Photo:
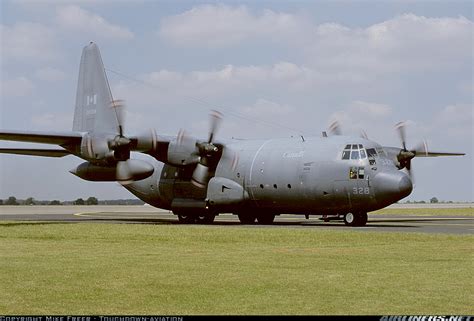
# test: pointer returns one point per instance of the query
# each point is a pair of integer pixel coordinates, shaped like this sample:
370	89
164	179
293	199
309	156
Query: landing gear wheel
350	219
205	218
246	218
362	219
265	219
355	219
186	219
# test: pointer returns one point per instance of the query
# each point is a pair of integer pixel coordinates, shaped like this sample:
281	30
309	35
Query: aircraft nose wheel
355	219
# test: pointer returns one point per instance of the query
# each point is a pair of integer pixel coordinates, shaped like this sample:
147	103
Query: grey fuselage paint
288	175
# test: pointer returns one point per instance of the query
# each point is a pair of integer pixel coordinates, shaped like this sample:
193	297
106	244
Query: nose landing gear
355	219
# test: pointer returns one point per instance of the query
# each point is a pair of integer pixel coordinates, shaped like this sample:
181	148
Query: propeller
335	128
115	151
208	152
405	156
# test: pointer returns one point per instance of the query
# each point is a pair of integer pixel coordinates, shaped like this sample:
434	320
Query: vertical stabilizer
93	112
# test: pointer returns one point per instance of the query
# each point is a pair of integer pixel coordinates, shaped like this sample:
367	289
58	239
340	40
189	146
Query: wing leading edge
56	138
36	152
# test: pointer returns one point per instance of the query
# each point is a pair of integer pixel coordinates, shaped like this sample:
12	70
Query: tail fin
93	112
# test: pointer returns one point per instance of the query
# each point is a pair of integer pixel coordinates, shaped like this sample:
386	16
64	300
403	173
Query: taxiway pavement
150	215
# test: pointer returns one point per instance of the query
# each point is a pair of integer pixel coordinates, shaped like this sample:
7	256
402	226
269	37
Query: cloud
223	25
47	121
50	74
403	43
455	121
17	87
28	42
77	19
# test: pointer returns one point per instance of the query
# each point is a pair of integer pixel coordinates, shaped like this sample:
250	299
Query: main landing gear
262	218
207	218
355	219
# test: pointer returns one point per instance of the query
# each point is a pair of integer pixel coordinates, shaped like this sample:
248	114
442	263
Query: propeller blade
123	173
400	127
421	150
363	134
145	142
119	108
335	128
216	119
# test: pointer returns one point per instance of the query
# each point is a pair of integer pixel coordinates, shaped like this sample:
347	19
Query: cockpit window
355	154
371	152
354	151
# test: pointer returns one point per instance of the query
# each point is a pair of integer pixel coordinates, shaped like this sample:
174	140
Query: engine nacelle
96	149
137	170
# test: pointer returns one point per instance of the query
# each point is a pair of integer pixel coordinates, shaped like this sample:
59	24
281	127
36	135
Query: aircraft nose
392	186
405	186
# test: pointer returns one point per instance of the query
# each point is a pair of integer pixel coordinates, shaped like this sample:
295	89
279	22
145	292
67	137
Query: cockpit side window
371	153
346	154
362	154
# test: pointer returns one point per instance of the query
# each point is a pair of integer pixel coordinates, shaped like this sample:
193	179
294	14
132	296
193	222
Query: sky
273	68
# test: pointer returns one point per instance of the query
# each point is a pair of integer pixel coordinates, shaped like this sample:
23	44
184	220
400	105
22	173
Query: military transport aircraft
331	175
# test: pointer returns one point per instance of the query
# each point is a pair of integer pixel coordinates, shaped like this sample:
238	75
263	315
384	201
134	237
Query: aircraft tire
265	219
355	219
362	219
350	219
186	219
205	219
246	218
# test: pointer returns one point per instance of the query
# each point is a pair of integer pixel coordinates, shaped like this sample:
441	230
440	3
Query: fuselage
314	175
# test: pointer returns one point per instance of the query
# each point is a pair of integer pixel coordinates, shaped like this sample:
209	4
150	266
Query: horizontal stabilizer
56	138
35	152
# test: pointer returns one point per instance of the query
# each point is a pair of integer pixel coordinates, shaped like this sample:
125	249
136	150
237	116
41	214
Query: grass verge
168	269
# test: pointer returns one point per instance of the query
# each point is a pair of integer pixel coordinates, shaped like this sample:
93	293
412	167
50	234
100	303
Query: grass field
56	268
454	211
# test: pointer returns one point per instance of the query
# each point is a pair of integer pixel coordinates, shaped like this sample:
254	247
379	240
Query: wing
35	152
56	138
